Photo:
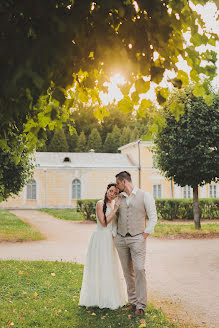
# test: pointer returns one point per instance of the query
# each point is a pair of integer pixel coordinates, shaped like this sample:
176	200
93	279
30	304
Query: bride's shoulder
99	203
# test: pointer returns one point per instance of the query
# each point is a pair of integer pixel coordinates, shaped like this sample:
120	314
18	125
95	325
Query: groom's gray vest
131	219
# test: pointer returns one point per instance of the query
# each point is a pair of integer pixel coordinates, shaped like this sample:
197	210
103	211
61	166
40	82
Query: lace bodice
109	225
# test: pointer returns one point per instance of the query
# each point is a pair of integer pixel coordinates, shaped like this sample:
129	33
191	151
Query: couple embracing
121	230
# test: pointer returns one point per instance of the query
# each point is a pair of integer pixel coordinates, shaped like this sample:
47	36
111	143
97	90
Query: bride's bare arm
100	215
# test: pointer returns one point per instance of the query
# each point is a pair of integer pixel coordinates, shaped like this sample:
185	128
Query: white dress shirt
150	208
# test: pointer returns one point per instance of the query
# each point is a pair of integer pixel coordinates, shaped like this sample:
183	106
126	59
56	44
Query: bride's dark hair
106	199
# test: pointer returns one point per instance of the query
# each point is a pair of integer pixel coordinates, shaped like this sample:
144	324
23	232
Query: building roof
142	142
83	160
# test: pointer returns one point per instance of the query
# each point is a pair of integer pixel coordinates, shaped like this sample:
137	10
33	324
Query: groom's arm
115	225
150	207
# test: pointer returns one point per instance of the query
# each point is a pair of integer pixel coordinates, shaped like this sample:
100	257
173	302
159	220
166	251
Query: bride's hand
117	203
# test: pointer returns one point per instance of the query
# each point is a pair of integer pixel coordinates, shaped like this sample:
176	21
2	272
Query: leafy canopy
15	171
187	148
49	46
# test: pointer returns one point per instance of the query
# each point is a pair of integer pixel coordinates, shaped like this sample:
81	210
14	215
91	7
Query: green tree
134	134
112	141
84	118
82	143
115	117
15	170
95	141
54	44
50	46
58	142
108	146
71	136
125	136
187	147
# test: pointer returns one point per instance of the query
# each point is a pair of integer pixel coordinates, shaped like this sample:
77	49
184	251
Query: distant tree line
114	131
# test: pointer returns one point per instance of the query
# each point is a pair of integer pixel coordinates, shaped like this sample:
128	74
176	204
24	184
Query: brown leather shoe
139	312
130	307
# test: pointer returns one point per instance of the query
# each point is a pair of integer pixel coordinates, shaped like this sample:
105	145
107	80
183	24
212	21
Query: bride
102	284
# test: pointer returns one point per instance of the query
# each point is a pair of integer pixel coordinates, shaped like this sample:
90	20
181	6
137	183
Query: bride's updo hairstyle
106	199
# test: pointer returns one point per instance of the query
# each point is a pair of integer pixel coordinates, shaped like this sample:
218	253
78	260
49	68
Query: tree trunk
196	210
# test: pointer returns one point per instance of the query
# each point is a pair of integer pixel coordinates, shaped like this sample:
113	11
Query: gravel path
181	273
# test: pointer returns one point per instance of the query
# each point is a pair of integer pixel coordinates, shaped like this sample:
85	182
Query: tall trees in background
115	130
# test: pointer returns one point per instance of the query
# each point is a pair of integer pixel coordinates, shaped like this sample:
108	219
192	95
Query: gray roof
91	160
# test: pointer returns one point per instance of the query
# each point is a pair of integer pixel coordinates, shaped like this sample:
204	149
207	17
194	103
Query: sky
209	14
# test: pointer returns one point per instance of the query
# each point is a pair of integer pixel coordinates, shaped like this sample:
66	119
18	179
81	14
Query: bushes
168	209
173	209
87	207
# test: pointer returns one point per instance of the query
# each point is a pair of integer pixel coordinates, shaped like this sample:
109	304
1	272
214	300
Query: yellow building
62	178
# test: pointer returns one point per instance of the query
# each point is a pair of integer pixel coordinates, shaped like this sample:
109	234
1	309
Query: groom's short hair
124	175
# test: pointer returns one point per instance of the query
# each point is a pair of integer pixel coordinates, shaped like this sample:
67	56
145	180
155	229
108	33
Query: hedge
167	209
182	209
87	207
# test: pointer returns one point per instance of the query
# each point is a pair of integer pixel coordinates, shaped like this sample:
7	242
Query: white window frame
157	190
32	190
187	192
213	190
76	189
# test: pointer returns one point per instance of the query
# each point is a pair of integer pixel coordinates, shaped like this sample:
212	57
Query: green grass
165	229
64	214
13	228
46	294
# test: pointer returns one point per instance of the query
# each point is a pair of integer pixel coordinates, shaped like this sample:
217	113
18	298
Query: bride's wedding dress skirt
103	284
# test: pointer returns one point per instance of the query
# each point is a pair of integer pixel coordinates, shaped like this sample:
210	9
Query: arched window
31	190
76	189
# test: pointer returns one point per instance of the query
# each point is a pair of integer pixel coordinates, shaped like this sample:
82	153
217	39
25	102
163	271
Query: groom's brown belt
129	235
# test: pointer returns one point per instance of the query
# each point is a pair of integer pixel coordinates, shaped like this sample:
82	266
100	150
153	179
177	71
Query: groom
131	237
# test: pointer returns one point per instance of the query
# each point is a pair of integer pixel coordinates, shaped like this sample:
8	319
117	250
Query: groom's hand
145	235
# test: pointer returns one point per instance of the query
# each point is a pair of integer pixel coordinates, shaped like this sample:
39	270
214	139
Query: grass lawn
65	214
46	294
14	229
183	229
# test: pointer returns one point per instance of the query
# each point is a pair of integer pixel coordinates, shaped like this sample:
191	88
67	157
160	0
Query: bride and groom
121	230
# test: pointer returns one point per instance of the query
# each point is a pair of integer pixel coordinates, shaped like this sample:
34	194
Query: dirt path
181	274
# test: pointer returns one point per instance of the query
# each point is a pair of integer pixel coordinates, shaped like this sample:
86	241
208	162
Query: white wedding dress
103	285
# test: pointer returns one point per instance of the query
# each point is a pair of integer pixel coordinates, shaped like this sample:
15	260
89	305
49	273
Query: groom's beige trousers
132	252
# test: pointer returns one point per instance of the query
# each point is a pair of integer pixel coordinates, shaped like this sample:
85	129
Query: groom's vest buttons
131	218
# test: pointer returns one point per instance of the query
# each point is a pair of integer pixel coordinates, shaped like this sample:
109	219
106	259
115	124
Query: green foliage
58	142
134	134
71	136
48	48
94	141
181	209
125	136
167	209
82	143
110	129
16	168
112	141
87	208
108	146
187	147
